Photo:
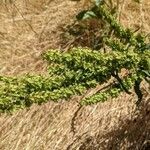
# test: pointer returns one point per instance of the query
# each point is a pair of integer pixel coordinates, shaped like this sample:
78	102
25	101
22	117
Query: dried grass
27	29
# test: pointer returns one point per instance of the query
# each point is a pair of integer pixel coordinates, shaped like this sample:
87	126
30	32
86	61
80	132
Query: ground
30	27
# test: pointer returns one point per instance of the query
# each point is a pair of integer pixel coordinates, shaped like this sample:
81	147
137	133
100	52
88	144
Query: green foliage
79	69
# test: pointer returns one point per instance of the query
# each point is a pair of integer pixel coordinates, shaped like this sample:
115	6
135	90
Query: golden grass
27	28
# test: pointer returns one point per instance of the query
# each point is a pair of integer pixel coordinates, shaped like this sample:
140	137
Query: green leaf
98	2
85	15
81	15
146	72
88	15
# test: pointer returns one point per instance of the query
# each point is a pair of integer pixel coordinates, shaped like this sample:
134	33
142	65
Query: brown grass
27	28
